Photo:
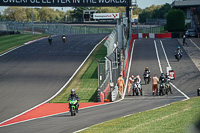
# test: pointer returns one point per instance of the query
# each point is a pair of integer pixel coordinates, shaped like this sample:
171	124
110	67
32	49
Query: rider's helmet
120	74
178	47
138	77
162	75
72	91
147	68
132	77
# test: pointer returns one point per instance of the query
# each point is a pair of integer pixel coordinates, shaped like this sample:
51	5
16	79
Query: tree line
21	14
50	15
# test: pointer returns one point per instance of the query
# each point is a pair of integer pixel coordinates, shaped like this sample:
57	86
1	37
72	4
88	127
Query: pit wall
152	35
105	94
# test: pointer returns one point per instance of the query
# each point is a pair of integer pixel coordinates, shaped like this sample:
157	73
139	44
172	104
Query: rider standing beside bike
71	96
162	78
147	72
131	79
155	81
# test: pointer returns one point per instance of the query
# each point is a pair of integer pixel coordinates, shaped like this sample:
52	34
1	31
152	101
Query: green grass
86	80
9	42
175	118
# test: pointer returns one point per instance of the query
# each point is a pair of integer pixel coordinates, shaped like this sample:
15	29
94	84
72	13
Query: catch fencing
114	64
53	28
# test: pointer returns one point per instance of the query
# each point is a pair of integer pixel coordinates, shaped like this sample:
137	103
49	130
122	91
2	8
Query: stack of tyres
198	92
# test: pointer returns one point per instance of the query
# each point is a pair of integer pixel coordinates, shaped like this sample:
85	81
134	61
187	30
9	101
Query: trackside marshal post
62	3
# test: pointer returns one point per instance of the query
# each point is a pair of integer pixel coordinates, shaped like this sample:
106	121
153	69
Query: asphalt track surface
187	80
34	73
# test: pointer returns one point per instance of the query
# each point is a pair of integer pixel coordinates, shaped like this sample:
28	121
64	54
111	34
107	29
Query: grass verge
9	42
86	80
175	118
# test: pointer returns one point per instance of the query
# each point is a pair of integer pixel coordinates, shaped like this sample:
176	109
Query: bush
176	20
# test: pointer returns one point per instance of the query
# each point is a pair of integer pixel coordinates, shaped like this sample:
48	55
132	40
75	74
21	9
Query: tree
137	11
176	20
29	14
162	11
78	12
47	14
143	16
16	13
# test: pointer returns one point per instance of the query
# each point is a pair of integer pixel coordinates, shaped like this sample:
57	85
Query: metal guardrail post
98	90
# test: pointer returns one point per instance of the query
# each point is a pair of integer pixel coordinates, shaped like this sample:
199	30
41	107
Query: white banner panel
151	35
139	35
105	15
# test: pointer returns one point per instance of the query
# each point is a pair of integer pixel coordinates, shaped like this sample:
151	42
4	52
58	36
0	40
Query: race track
144	54
32	74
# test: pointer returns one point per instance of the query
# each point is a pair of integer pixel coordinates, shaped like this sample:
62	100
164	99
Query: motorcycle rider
162	78
50	39
178	50
155	81
64	36
131	79
121	85
147	71
71	96
168	81
137	80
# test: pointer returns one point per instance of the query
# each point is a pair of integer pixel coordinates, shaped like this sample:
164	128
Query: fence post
98	90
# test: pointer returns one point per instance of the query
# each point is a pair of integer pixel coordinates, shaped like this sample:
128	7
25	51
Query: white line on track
165	54
159	64
59	90
129	68
195	44
168	65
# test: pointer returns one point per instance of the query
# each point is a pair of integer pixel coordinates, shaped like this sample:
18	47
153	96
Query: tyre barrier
198	92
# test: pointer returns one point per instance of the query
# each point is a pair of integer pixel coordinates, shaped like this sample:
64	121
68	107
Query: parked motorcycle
73	108
137	88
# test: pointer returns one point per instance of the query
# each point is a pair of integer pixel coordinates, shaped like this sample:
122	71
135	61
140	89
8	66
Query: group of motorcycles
50	39
164	88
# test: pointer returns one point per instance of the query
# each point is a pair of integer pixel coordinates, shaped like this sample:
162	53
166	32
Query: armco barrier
127	59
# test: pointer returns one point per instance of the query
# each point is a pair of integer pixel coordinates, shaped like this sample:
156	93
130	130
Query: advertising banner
106	16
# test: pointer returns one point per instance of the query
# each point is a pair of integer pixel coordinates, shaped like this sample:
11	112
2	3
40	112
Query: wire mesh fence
49	28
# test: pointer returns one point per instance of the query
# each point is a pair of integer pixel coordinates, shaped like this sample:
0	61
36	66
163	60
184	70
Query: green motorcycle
73	108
